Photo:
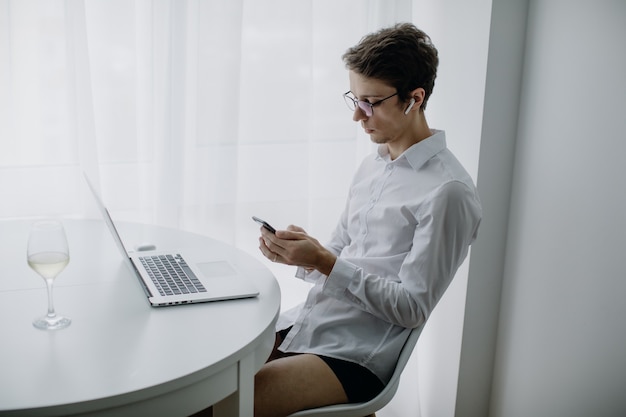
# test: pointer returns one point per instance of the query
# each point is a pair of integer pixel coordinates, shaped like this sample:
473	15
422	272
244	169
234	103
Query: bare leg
288	383
292	383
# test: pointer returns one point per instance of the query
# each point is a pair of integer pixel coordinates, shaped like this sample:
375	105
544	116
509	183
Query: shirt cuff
311	276
340	278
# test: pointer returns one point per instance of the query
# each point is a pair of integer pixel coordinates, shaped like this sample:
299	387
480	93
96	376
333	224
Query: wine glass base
55	323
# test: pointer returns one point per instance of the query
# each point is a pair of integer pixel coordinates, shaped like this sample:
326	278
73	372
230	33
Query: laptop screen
107	219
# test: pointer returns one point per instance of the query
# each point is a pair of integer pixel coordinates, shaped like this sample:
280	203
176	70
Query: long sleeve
446	225
406	228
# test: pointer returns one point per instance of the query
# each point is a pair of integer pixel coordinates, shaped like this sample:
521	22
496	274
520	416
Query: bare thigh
288	384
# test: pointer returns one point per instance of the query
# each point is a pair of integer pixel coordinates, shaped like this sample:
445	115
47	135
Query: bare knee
269	396
295	383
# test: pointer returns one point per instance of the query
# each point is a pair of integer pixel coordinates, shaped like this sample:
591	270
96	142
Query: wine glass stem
51	313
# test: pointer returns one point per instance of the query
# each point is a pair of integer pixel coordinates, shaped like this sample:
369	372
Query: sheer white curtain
197	114
187	113
190	114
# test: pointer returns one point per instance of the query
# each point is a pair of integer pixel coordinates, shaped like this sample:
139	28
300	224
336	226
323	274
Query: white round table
120	356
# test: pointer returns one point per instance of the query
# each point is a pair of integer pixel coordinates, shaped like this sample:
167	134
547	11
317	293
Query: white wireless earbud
411	104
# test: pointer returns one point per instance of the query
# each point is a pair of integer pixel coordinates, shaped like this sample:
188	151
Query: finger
265	232
269	236
295	228
275	243
265	250
288	235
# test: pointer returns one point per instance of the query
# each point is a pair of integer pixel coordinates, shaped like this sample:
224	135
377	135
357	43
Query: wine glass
48	254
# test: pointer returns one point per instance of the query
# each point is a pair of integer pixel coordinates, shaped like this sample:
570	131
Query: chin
378	140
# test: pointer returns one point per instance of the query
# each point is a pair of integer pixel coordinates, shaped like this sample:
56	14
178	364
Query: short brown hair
402	56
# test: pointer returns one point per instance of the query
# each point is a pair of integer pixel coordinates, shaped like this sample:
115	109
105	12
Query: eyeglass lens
363	105
366	107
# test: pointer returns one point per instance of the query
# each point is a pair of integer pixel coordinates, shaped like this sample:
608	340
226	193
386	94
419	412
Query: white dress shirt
404	232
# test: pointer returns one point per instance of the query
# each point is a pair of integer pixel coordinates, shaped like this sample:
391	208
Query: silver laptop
179	277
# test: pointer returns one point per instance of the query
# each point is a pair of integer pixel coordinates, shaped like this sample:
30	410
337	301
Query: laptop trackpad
216	269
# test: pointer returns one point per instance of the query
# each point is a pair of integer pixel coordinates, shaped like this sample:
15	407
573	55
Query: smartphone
264	224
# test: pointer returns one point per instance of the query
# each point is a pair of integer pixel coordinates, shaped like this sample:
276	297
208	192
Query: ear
417	98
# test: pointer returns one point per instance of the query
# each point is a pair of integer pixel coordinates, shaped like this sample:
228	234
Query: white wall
562	336
507	31
561	341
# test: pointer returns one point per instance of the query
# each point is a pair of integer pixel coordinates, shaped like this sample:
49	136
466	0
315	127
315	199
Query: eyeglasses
367	107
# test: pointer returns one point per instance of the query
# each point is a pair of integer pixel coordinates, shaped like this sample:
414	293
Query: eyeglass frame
359	104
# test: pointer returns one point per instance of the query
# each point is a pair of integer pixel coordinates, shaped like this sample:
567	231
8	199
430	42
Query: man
411	214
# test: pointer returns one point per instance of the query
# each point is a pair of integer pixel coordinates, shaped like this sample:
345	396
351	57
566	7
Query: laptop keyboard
171	274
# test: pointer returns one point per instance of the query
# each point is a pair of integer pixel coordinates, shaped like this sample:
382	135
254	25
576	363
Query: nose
359	114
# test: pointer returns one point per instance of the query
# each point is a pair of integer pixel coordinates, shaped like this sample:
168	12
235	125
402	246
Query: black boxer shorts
359	383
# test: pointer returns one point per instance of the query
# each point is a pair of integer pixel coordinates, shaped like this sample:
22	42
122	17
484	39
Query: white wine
48	264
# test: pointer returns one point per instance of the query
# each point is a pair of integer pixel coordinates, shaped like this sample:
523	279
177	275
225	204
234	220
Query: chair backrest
376	403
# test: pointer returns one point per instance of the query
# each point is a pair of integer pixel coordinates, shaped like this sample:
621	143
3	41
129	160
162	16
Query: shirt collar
418	154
